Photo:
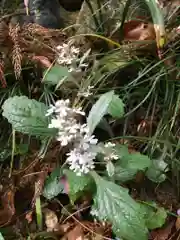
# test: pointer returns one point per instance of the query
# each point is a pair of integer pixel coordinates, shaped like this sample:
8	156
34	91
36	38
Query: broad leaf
27	116
55	74
129	163
154	216
124	174
113	203
116	107
53	186
156	173
136	161
98	110
78	184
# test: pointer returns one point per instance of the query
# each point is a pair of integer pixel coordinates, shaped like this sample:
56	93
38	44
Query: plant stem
13	151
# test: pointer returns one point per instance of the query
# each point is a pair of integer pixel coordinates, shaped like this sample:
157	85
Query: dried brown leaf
138	30
76	233
51	220
8	210
164	233
43	60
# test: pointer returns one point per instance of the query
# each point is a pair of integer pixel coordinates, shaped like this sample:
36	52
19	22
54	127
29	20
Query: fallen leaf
29	217
63	228
138	30
177	224
43	60
51	220
8	210
163	233
76	233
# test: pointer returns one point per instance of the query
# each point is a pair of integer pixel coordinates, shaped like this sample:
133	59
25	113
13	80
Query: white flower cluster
109	152
64	120
86	92
68	55
81	157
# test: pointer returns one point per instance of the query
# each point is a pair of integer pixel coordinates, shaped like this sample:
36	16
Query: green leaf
1	237
53	186
124	174
158	20
155	216
156	171
116	107
55	74
129	163
110	169
98	110
5	153
27	116
21	149
78	184
113	203
136	161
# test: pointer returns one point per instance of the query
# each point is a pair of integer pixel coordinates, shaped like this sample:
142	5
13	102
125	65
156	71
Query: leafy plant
27	116
112	203
156	172
78	185
129	163
107	103
53	186
154	216
55	75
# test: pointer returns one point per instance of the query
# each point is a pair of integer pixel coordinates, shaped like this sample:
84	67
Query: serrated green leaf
55	74
113	203
1	237
27	116
136	161
124	174
155	172
116	107
53	186
98	110
156	219
129	163
154	216
78	184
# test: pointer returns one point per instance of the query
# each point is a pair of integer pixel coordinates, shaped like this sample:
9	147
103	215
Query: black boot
46	13
71	5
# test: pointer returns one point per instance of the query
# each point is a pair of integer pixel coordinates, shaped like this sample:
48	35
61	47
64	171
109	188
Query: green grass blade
158	21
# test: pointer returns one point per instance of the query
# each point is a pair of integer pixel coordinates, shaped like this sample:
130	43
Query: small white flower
86	92
78	111
81	161
81	157
109	152
51	110
68	55
111	156
109	144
